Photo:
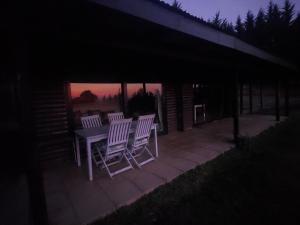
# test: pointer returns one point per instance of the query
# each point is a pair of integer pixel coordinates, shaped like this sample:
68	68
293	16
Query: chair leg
128	161
74	150
145	161
106	167
133	158
111	174
147	149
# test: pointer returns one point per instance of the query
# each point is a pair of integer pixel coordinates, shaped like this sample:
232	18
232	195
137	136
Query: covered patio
113	42
72	199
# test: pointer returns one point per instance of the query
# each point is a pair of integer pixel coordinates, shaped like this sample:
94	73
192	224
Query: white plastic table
95	134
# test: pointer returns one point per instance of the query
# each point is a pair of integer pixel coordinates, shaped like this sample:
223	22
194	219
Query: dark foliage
176	4
249	27
141	103
239	27
276	30
222	24
85	97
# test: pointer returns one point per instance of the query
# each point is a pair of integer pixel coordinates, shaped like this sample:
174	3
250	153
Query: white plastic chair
115	116
91	121
116	147
139	144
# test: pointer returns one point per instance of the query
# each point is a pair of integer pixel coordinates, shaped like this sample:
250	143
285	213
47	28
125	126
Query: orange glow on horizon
101	89
97	89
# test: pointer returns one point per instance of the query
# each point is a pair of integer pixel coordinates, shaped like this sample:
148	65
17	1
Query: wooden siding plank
51	122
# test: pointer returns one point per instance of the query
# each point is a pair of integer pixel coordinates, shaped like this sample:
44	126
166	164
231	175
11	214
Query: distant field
98	105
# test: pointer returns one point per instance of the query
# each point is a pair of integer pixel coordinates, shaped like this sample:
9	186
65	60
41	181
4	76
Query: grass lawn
256	184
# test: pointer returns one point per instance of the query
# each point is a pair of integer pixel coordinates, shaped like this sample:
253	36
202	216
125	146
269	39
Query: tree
239	27
85	97
177	5
260	20
217	20
288	12
104	98
285	37
260	28
226	26
274	26
249	26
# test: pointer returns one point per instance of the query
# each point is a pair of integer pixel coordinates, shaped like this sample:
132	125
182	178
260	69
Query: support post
261	95
250	97
179	106
144	88
277	103
241	97
287	99
236	122
124	97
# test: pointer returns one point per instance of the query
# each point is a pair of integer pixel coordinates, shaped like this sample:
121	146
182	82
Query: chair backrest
115	116
91	121
118	135
143	130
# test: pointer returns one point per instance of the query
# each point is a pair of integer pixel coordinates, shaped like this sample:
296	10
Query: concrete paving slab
162	170
120	190
145	181
89	201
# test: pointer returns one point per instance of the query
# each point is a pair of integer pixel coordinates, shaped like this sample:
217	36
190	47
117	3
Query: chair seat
115	148
137	143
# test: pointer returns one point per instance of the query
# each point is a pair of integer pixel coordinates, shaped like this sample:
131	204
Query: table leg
155	139
89	159
77	151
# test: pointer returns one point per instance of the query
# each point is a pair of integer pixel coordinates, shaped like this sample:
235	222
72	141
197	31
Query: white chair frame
115	116
140	141
116	148
91	121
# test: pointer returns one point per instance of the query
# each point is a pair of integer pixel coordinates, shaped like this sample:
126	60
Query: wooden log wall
171	109
53	137
187	104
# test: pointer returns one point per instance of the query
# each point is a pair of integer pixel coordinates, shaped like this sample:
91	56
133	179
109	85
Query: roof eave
153	12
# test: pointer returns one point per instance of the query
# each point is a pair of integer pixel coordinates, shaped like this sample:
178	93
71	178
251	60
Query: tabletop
95	131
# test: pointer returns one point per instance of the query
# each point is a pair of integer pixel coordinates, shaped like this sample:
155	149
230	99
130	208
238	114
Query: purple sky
229	9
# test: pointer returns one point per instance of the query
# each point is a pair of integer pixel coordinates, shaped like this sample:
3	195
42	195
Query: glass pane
154	91
134	89
154	88
89	99
136	100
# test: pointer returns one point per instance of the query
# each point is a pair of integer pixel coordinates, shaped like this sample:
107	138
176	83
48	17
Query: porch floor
73	200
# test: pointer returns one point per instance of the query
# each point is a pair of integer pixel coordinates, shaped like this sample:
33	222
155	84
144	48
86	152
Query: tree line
276	29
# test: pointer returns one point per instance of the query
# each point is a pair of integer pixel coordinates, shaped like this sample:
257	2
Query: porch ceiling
92	39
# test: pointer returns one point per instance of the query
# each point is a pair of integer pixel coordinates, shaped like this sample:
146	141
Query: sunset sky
97	89
229	9
109	89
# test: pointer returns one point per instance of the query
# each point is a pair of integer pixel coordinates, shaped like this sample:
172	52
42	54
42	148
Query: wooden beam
144	88
287	98
124	99
241	97
235	109
277	100
261	95
250	97
179	107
